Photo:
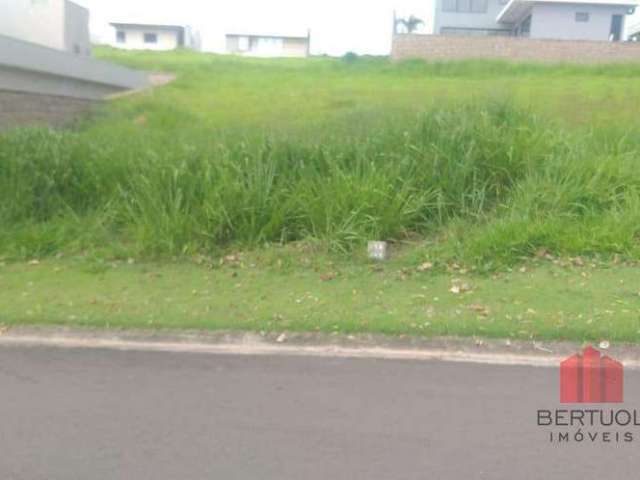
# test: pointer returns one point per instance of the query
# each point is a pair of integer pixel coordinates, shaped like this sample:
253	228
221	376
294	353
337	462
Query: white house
59	24
253	43
146	36
599	20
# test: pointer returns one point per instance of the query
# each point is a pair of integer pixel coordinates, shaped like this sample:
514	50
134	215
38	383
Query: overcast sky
337	26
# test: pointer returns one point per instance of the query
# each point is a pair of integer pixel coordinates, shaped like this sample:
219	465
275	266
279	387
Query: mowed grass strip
542	303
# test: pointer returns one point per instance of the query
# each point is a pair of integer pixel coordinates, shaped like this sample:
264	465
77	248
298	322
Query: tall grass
242	152
497	182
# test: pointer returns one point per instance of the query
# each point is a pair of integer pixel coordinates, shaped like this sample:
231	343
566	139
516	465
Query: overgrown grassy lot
479	166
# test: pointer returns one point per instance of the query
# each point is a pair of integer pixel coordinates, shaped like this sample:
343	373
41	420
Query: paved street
102	414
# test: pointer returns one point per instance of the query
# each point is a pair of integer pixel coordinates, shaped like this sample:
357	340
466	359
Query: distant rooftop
273	30
158	26
516	8
266	35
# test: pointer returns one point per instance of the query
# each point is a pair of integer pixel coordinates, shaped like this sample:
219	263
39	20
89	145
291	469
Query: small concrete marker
377	250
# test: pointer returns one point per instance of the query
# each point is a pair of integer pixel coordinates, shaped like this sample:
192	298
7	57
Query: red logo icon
590	377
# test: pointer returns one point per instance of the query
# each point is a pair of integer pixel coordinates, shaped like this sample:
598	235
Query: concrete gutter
494	352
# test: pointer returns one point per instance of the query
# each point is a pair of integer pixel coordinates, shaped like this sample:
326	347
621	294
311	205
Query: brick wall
436	47
21	109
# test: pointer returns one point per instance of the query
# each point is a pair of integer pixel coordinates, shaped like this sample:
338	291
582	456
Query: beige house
268	45
58	24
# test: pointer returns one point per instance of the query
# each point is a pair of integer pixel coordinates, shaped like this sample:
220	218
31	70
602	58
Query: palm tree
411	24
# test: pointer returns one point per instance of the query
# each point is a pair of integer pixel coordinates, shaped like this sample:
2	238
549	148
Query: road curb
447	349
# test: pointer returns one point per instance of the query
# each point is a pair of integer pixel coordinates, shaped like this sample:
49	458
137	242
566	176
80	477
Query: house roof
156	26
516	9
257	28
264	35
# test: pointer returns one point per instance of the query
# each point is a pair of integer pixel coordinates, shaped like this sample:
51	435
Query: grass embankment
478	164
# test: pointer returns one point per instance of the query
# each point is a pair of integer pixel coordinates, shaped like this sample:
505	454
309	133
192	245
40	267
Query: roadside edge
363	346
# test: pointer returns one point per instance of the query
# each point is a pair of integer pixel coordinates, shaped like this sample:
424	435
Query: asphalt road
101	414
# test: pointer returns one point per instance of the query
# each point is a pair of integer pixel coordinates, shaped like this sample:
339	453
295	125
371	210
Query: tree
410	24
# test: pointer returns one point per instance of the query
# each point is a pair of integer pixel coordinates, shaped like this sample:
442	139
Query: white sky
337	26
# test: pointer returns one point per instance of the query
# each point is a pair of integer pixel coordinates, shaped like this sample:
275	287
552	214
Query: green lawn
258	293
320	96
480	167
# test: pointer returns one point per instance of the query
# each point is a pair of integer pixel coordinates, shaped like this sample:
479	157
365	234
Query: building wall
294	47
469	20
167	39
36	21
40	85
76	31
290	47
232	44
442	48
19	80
633	23
558	21
24	109
26	67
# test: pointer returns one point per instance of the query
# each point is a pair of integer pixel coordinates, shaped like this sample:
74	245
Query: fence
437	47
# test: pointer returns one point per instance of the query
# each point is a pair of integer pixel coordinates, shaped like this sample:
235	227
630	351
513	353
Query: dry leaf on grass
425	267
327	277
458	286
481	310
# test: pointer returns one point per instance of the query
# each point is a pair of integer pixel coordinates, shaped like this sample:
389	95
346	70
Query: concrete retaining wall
53	72
435	47
18	109
40	85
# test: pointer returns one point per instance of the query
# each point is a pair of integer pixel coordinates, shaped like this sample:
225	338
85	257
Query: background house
599	20
149	36
268	45
59	24
337	26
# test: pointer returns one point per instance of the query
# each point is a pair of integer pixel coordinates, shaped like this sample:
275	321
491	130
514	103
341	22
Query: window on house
121	37
474	32
449	5
465	6
582	16
150	38
479	6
